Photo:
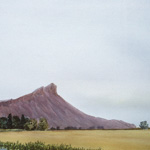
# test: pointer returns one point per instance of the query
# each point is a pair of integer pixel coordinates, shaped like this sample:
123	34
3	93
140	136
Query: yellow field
106	139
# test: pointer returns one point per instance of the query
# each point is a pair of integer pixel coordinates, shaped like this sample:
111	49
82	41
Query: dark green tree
15	122
9	121
143	125
3	123
22	122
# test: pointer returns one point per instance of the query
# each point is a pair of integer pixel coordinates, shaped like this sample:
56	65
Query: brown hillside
45	102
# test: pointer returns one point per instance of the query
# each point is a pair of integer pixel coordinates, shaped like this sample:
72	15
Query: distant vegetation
24	123
143	125
37	146
78	128
14	122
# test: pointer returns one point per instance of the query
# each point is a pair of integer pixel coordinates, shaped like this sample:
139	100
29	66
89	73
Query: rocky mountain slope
45	102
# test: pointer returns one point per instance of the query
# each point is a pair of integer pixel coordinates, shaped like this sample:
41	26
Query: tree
100	127
91	128
9	122
52	128
15	122
22	122
143	125
43	124
3	122
31	124
70	128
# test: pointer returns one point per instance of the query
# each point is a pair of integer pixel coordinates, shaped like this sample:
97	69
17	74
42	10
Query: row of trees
78	128
32	124
14	122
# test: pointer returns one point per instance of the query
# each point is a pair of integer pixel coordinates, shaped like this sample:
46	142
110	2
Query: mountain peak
52	88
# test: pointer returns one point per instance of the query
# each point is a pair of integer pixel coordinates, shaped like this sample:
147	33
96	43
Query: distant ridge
45	102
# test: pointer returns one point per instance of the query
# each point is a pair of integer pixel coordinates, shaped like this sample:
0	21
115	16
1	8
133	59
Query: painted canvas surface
74	74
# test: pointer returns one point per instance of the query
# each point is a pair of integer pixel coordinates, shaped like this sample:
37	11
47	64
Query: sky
97	52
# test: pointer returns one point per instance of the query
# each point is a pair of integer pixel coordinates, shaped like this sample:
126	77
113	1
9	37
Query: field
106	139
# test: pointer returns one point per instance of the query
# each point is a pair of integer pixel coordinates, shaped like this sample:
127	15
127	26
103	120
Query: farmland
105	139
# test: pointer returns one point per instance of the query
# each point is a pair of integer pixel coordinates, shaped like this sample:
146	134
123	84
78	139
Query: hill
45	102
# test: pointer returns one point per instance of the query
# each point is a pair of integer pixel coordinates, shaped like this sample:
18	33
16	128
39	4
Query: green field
106	139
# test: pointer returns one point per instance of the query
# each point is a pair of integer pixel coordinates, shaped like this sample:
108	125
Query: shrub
37	146
31	124
52	128
91	128
43	124
71	128
100	127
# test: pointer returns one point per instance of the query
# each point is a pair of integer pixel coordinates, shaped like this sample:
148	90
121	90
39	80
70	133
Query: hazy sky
97	52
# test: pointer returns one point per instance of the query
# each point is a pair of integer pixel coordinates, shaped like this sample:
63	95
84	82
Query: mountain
45	102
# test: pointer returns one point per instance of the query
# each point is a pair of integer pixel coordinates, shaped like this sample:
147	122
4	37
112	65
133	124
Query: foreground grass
106	139
36	146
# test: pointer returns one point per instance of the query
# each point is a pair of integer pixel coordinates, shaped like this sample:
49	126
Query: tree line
14	122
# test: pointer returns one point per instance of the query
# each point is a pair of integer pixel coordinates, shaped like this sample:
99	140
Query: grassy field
106	139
